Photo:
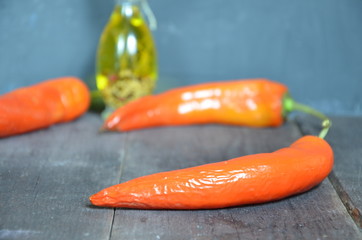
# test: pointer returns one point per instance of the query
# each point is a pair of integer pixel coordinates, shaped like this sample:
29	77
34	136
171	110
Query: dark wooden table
47	176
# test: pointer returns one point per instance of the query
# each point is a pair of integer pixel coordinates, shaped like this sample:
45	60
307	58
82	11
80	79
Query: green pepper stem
291	105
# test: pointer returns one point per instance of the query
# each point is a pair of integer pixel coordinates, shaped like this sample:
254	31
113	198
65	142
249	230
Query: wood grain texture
314	215
46	177
345	138
317	214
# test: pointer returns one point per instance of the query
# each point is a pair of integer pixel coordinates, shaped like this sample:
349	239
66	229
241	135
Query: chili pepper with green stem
244	180
250	102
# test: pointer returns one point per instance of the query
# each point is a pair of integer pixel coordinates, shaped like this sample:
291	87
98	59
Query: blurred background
313	46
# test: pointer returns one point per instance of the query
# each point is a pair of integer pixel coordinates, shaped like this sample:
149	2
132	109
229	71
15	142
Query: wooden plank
317	214
345	138
47	176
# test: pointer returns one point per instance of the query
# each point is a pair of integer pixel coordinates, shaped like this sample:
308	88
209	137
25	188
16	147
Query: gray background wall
313	46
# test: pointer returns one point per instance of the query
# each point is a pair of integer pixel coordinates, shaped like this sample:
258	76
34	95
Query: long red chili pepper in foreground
245	180
43	104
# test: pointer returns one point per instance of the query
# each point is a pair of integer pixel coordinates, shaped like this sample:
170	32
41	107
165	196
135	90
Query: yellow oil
126	66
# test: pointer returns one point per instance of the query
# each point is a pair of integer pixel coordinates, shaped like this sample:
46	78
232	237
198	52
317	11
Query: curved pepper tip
96	199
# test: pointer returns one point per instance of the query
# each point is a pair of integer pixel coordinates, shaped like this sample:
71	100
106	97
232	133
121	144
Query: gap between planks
346	200
122	158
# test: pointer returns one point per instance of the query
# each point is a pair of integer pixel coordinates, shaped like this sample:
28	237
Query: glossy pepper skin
253	103
245	180
43	104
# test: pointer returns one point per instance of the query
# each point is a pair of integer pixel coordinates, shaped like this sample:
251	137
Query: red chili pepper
245	180
43	104
257	103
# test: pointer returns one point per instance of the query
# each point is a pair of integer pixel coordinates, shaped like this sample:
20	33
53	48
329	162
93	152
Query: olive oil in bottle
126	65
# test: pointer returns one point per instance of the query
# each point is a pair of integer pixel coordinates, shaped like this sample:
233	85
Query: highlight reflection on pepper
205	104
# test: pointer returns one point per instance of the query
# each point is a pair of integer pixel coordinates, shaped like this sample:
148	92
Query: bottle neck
130	2
145	9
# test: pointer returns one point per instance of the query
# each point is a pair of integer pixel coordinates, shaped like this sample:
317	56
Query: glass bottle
126	65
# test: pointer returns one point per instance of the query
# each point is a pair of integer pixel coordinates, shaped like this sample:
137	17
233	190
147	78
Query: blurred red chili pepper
255	102
43	104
